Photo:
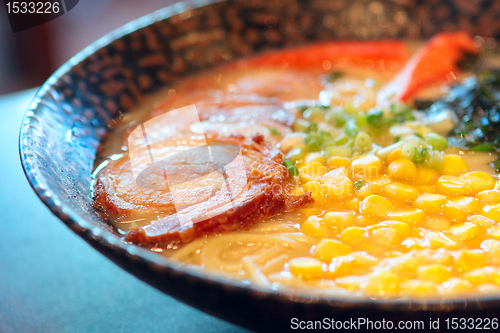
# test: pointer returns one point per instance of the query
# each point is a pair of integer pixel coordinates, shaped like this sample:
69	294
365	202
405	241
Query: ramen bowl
86	98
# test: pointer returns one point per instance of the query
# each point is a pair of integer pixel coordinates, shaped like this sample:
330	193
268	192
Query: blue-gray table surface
52	281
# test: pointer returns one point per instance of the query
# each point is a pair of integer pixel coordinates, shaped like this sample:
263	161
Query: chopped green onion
433	159
315	114
312	127
275	132
496	165
486	147
296	155
301	125
313	135
313	145
374	116
408	117
336	118
325	135
341	139
397	139
301	109
358	184
292	169
349	108
363	141
340	151
351	129
437	141
418	158
361	119
398	108
409	151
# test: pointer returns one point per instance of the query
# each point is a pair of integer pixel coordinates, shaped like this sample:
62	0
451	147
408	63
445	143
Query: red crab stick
377	54
430	64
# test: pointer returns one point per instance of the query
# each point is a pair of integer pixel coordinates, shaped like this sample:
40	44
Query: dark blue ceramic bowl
85	98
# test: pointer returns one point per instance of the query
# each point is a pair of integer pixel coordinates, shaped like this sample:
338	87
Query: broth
438	242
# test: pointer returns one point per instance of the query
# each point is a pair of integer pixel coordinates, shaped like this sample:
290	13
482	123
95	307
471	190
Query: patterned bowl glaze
85	98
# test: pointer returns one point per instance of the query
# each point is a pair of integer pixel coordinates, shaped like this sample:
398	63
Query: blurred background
27	58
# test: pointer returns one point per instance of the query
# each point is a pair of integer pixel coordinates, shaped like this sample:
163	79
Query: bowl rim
104	240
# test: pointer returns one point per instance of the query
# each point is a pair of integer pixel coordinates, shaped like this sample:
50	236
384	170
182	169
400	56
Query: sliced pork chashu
143	185
256	187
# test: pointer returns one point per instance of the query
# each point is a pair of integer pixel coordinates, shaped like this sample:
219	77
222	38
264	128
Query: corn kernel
364	221
338	219
439	256
430	202
334	174
426	176
402	170
426	189
482	275
311	171
306	268
368	166
328	249
401	228
434	273
396	154
464	231
316	190
481	221
459	208
451	185
354	263
339	188
338	162
311	211
404	266
453	165
479	181
456	287
315	157
492	249
401	192
489	197
494	232
438	240
417	288
375	205
383	284
492	211
312	226
407	215
437	223
488	289
468	260
349	282
364	192
412	243
353	204
385	236
353	235
378	184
